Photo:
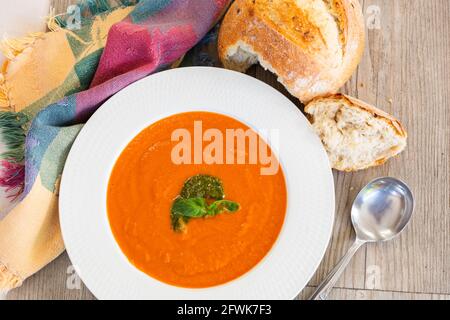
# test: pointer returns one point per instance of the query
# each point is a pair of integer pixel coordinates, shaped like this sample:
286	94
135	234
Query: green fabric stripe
76	43
86	68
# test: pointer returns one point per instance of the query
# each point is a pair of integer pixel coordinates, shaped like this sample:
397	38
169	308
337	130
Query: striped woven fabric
50	85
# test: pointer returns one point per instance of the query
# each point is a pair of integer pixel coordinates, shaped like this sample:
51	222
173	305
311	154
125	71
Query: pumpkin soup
192	224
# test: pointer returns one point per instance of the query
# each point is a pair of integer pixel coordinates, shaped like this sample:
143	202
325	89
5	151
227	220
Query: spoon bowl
382	209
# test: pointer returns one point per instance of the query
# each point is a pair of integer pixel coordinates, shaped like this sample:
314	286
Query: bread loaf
312	45
355	135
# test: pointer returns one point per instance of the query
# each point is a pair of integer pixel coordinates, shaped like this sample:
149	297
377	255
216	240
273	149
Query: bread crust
357	103
374	111
313	50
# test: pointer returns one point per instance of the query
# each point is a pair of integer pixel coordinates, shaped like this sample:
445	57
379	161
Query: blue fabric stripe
44	128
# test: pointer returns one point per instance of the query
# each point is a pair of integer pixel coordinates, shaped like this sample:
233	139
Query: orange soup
211	250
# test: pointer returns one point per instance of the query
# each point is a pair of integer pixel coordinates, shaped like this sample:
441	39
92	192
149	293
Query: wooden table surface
405	71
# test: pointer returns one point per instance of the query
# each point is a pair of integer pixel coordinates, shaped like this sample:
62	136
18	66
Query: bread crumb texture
356	136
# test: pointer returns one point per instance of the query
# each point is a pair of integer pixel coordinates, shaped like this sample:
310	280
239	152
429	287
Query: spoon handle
325	287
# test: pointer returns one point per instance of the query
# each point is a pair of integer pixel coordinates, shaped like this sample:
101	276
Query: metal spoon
381	210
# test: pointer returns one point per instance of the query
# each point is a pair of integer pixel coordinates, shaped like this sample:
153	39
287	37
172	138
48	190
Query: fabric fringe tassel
12	171
11	48
13	134
12	179
8	280
12	131
53	23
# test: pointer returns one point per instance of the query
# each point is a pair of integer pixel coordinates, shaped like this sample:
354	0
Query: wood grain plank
55	281
358	294
405	72
61	5
409	64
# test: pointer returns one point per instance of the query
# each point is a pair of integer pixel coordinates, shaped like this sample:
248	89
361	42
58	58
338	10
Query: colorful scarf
53	82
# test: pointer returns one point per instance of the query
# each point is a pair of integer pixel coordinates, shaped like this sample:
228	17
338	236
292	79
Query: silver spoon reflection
381	210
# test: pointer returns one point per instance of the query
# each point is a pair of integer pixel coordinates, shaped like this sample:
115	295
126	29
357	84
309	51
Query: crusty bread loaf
355	135
312	45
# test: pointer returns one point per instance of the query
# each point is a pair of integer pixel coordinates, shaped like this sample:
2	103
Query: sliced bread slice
356	135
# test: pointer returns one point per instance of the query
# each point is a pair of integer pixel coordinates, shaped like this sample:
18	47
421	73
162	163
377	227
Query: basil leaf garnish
201	196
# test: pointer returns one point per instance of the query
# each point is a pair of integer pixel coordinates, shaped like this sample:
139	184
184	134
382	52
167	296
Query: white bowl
310	211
